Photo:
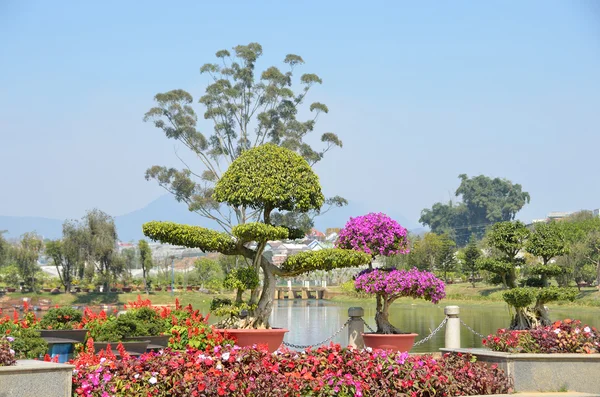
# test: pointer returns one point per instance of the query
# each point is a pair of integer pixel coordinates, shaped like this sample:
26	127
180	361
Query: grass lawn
482	293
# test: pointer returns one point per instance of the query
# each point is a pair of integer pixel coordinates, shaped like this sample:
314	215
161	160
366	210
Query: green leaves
259	232
519	297
270	177
326	259
189	236
547	241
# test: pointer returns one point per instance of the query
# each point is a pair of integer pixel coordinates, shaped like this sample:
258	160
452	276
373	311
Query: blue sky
419	92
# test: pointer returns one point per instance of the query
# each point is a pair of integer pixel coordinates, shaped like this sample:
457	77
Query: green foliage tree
484	201
247	109
65	258
96	238
446	256
471	253
507	239
264	179
546	242
145	262
208	271
4	249
25	255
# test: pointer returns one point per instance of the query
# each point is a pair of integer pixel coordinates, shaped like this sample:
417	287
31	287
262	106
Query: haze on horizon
418	92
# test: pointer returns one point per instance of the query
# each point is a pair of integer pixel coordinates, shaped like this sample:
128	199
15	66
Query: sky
419	92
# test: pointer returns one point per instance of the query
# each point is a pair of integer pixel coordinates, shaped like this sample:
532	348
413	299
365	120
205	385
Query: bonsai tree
263	179
378	234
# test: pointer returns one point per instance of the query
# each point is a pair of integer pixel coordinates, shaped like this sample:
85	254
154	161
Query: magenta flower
374	234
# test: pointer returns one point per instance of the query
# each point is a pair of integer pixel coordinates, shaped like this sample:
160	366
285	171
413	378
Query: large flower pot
73	334
272	338
157	340
396	342
137	347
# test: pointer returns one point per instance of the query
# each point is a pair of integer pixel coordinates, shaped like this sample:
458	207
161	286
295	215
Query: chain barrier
435	331
321	343
367	325
426	339
471	329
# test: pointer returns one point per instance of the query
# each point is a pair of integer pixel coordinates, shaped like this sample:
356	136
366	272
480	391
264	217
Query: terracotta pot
189	288
73	334
126	289
10	289
250	337
396	342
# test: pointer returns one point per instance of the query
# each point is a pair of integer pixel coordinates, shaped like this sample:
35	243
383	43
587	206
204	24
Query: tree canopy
246	108
264	178
484	201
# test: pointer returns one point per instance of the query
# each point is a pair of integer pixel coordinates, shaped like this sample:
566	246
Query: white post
452	327
289	284
324	283
306	284
356	327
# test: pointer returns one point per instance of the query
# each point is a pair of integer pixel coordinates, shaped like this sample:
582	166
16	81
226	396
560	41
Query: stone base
544	372
32	378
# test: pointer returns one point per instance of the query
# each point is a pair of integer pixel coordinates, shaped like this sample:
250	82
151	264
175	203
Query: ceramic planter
273	337
157	340
77	335
396	342
137	347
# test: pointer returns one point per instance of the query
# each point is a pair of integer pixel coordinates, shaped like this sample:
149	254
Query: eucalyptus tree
146	262
246	108
25	254
263	179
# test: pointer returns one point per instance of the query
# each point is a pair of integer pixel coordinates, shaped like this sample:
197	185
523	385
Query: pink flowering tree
378	234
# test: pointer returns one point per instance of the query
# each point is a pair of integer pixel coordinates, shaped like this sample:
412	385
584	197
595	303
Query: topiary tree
378	234
262	179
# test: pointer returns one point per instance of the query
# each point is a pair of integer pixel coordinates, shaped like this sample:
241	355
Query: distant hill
166	208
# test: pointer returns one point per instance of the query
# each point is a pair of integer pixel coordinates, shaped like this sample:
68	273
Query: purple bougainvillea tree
378	234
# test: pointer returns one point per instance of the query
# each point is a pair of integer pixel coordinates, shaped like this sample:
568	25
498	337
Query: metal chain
367	325
321	343
471	329
435	331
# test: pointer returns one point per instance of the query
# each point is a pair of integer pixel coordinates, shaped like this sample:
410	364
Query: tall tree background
246	108
483	202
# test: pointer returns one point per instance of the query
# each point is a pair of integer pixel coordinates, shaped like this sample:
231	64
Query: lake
312	321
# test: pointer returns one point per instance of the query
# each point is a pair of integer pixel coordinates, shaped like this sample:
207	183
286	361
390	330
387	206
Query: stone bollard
452	327
356	327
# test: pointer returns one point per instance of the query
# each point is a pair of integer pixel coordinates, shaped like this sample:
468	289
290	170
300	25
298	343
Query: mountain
166	208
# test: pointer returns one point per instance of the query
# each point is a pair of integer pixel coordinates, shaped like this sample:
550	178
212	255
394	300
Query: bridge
300	292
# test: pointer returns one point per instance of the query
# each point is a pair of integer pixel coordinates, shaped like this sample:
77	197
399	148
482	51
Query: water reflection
312	321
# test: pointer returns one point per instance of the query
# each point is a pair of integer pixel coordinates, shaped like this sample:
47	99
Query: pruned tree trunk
524	319
541	314
382	317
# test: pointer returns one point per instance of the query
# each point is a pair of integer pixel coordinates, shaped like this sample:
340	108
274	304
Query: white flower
219	366
368	349
103	359
557	331
12	351
587	329
152	380
577	330
225	356
136	376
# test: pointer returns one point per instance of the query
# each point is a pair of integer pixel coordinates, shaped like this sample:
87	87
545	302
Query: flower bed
327	371
564	355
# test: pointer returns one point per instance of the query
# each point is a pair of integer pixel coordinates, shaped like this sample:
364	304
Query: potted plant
63	322
111	330
260	181
378	234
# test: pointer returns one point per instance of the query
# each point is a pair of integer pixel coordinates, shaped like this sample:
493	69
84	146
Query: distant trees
25	255
146	262
484	201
